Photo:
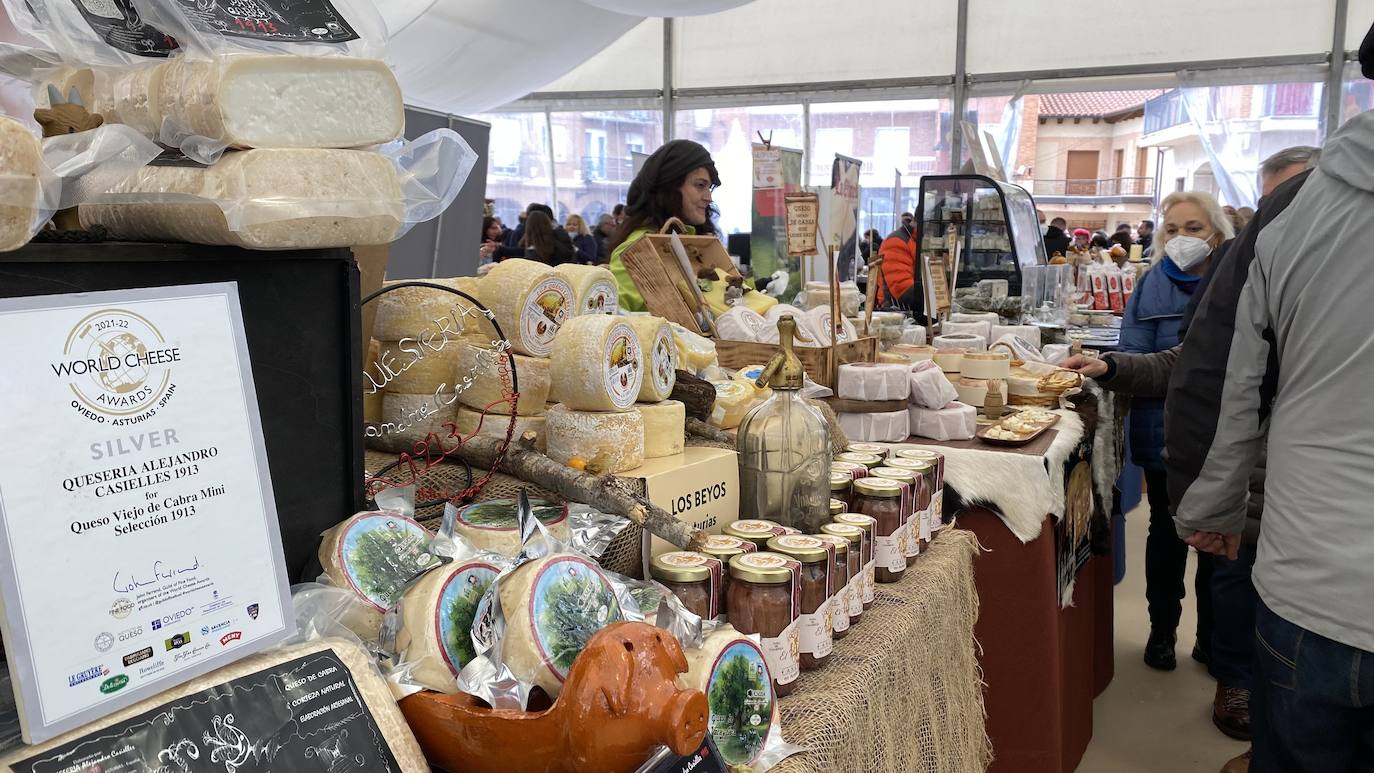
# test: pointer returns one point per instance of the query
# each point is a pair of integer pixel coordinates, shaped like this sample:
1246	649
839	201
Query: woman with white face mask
1193	230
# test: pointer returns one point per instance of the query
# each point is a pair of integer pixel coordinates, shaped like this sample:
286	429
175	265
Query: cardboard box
700	486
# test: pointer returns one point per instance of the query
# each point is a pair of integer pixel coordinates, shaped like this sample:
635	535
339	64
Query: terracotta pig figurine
621	700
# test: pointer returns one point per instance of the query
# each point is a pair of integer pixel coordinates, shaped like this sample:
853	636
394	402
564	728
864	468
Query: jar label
938	505
839	609
889	552
910	535
927	516
854	594
870	584
782	652
817	631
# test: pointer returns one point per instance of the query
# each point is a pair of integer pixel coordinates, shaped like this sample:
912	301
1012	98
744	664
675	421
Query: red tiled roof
1093	103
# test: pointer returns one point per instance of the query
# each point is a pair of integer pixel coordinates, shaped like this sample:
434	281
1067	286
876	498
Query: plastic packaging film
352	28
29	191
981	329
81	34
964	341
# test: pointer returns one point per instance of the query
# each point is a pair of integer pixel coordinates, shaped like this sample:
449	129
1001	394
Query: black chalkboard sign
285	21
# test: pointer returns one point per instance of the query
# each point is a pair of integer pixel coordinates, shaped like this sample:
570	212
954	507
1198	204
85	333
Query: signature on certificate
161	571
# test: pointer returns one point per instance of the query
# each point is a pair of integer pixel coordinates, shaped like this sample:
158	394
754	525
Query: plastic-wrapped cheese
413	312
955	421
553	606
874	381
694	351
981	329
594	288
1055	353
435	637
929	387
374	554
530	302
600	364
966	342
733	401
21	190
1028	333
730	662
820	318
495	424
876	427
742	323
986	365
420	369
806	333
271	687
409	419
494	525
608	442
663	428
660	357
130	95
477	380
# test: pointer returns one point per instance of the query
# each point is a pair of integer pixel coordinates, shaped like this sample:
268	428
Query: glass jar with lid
852	469
840	588
854	561
841	488
870	561
867	448
937	461
817	623
724	547
881	499
765	598
695	579
911	539
755	530
925	511
869	461
836	507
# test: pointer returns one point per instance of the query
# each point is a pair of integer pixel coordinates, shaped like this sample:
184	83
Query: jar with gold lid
724	547
839	588
867	448
755	530
881	499
842	489
870	529
817	625
695	579
854	567
908	481
925	494
869	461
765	598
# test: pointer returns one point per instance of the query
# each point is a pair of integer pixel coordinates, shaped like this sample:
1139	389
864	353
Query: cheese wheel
742	323
963	341
981	329
876	427
609	442
471	422
409	419
553	607
915	353
733	401
986	365
594	288
664	428
660	357
494	525
600	364
372	393
21	190
420	369
695	352
435	637
130	95
410	312
374	554
477	380
530	302
730	663
974	391
949	361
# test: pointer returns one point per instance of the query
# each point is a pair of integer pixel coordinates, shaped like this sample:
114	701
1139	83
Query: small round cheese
730	667
553	606
530	302
410	311
477	380
660	359
470	422
435	637
949	361
607	442
600	364
420	369
733	401
974	391
374	554
986	365
494	525
594	288
664	428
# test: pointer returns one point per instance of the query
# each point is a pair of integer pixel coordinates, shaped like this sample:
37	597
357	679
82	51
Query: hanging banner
844	213
803	218
777	172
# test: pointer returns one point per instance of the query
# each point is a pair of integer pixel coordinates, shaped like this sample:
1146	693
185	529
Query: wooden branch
606	492
701	429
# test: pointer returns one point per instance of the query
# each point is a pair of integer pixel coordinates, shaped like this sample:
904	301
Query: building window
594	158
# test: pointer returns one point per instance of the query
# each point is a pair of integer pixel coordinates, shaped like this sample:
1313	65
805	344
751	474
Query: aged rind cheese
664	433
493	525
594	288
660	357
21	190
733	401
728	661
610	441
986	365
374	554
372	690
409	419
495	425
530	302
553	606
279	199
419	369
435	637
600	364
412	312
477	380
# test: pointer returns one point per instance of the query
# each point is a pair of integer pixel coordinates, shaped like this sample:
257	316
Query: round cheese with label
730	668
607	442
374	554
530	302
471	423
660	357
733	401
594	288
435	638
478	383
494	525
553	606
600	364
664	428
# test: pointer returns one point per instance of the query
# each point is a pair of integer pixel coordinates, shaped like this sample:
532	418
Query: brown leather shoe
1231	712
1240	764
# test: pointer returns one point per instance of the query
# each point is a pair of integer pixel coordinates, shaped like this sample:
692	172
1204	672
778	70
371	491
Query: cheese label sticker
285	21
572	600
663	364
624	366
601	298
741	698
458	603
547	307
380	553
501	514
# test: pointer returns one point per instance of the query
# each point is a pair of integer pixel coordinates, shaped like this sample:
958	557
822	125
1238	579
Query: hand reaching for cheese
1091	367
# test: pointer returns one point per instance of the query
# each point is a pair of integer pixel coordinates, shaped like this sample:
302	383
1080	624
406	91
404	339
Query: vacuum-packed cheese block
875	427
664	433
436	613
271	698
470	422
660	357
21	190
494	526
607	442
280	101
728	662
929	387
986	365
418	369
409	419
130	95
416	312
478	382
594	288
955	421
600	364
874	381
374	554
257	199
530	302
733	401
553	607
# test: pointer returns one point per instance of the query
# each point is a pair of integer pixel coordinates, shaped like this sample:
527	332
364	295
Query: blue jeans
1233	619
1313	704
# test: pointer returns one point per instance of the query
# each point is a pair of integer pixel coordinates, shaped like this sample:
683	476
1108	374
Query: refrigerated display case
999	231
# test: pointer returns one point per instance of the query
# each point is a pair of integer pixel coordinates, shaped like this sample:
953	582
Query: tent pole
956	136
669	113
1335	76
553	162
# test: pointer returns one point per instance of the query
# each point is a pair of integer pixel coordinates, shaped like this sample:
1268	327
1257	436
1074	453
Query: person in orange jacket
897	285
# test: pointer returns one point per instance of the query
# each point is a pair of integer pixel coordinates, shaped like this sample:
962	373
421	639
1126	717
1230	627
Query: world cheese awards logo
118	366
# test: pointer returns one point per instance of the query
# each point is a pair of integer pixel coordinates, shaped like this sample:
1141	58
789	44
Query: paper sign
936	287
139	545
803	215
700	487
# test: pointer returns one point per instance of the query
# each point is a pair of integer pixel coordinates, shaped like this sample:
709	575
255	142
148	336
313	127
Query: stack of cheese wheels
599	376
664	428
480	386
22	197
530	302
494	525
602	441
986	365
594	288
374	554
553	606
436	612
950	361
660	357
725	656
471	423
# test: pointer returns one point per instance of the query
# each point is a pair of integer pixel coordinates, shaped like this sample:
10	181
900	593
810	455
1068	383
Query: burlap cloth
902	692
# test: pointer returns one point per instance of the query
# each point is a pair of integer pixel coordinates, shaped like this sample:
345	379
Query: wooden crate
659	277
822	363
